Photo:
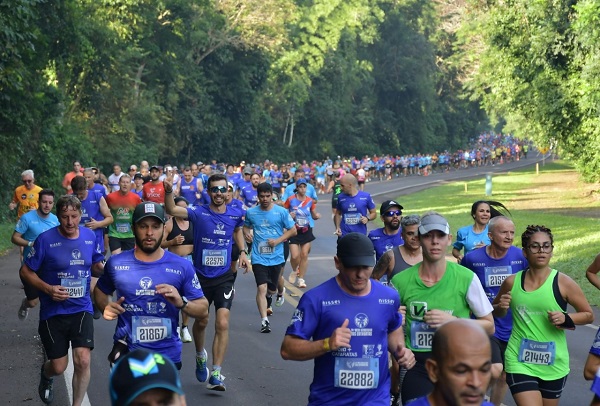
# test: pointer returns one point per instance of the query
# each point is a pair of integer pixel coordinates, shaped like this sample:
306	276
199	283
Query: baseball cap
301	181
388	204
155	167
181	199
434	221
139	371
248	171
230	186
356	249
138	175
148	209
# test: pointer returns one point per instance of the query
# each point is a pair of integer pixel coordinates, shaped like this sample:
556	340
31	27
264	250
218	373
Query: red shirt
154	192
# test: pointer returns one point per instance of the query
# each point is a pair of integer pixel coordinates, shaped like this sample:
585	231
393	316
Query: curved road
256	374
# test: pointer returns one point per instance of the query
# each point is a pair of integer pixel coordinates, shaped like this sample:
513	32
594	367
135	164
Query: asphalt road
255	373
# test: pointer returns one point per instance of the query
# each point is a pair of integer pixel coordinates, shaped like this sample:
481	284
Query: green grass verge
555	198
6	230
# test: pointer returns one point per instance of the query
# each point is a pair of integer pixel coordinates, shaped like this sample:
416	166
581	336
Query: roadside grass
556	198
6	231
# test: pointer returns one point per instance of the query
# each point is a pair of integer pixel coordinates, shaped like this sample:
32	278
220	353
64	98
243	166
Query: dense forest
180	80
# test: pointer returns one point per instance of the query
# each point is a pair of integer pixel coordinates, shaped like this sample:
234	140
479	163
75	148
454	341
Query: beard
139	242
393	226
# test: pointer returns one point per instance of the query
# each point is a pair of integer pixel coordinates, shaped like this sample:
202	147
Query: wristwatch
185	302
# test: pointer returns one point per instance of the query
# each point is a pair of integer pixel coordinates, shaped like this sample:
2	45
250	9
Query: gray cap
356	249
434	221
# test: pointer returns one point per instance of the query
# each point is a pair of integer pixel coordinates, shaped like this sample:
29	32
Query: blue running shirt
213	238
492	272
30	225
59	260
349	376
268	224
351	208
149	321
383	242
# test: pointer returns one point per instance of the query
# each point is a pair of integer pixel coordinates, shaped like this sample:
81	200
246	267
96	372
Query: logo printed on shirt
418	310
145	284
55	244
361	320
196	282
220	229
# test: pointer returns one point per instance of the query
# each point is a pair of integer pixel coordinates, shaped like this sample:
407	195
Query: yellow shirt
27	199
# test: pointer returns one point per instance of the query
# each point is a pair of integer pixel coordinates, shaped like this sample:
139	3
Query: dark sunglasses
392	213
217	189
27	180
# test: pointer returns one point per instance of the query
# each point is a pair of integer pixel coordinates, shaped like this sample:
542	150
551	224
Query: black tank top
188	235
399	263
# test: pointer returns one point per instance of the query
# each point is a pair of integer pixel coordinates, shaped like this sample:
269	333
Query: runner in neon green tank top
434	292
537	357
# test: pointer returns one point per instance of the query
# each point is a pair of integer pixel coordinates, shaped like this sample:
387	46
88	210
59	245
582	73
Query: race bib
352	219
214	257
265	249
539	353
356	373
495	275
301	221
75	287
421	335
146	329
123	227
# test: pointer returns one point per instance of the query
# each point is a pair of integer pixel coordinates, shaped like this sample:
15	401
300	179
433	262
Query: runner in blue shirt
217	227
270	226
29	226
289	190
60	266
390	235
248	194
354	209
152	285
348	325
492	264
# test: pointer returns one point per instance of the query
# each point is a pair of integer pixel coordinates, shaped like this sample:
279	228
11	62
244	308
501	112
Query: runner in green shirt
537	358
434	292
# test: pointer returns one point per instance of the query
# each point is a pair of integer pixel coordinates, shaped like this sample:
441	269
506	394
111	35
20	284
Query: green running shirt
530	322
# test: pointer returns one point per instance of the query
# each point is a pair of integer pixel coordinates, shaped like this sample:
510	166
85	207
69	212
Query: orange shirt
66	183
27	199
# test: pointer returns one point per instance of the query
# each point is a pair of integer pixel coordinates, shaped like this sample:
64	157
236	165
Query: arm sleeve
477	299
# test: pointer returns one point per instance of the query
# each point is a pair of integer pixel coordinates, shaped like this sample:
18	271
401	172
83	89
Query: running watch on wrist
185	302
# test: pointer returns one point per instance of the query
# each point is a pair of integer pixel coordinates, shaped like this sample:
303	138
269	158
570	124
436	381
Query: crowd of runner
225	217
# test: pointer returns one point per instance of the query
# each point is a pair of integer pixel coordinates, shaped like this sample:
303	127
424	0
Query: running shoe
265	327
395	399
292	277
23	310
201	368
269	305
215	382
45	389
300	283
185	335
280	299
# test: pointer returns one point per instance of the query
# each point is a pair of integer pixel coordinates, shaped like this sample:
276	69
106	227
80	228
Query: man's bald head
461	363
349	179
446	337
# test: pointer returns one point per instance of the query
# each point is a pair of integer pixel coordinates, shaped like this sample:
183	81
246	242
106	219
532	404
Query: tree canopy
106	81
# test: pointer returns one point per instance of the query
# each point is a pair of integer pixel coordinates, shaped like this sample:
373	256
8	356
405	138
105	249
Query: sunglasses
217	189
392	213
27	180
